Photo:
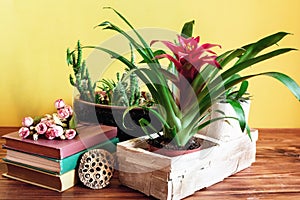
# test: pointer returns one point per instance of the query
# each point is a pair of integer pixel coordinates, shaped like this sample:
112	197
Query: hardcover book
51	165
89	135
58	183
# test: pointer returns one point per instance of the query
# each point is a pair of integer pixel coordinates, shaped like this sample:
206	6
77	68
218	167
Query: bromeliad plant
199	80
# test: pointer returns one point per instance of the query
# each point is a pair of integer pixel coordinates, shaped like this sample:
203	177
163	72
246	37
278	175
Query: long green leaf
239	112
138	47
203	125
154	112
114	55
284	79
239	67
147	47
255	48
243	65
144	124
242	90
234	54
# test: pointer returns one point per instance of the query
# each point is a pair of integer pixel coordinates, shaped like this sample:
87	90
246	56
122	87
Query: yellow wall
35	34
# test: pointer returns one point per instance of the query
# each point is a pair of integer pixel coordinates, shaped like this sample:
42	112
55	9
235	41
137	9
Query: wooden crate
177	177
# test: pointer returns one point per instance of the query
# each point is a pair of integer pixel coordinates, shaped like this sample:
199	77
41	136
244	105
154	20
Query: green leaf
245	64
249	132
158	52
37	119
144	124
284	79
155	53
287	81
242	90
142	51
154	112
114	55
234	54
239	112
236	69
169	75
187	29
72	122
206	123
147	47
254	48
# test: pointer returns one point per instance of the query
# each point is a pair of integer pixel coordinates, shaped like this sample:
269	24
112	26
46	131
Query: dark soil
165	143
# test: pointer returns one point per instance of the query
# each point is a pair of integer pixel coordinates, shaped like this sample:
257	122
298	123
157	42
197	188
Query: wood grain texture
274	175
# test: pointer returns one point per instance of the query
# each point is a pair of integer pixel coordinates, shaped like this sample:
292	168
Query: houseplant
183	96
198	79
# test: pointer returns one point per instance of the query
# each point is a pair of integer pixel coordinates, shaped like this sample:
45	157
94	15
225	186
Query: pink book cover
88	136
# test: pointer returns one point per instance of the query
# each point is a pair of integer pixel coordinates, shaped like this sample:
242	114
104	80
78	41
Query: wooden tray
177	177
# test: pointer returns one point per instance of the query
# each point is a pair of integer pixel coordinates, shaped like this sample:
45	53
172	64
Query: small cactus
81	79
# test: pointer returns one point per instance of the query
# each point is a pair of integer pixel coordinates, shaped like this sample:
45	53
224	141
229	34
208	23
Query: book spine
71	162
88	142
33	148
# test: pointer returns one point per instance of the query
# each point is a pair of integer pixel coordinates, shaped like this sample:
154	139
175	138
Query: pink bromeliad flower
189	55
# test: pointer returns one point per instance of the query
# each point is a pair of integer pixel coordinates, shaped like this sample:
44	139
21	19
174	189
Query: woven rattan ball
96	168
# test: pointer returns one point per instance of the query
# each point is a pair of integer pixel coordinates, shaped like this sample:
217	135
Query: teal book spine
71	162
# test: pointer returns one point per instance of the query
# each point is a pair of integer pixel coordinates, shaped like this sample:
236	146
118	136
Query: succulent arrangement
119	93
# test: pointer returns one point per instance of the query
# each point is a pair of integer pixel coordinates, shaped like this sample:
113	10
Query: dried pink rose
27	121
59	103
58	130
50	134
53	132
41	128
48	122
69	109
24	132
63	113
70	134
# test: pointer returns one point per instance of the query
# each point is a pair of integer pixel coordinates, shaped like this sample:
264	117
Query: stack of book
52	163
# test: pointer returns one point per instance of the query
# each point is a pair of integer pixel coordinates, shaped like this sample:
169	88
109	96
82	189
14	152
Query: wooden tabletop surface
274	175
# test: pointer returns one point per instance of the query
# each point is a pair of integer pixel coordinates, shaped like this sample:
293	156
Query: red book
88	136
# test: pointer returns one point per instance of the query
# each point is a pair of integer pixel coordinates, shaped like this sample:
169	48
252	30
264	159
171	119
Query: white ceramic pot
226	129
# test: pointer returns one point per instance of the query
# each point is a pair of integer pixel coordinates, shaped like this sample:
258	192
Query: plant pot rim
172	153
106	106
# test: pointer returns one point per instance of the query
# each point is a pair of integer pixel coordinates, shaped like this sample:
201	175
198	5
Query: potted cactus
106	102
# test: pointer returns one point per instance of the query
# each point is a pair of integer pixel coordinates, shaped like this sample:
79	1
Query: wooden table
274	175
